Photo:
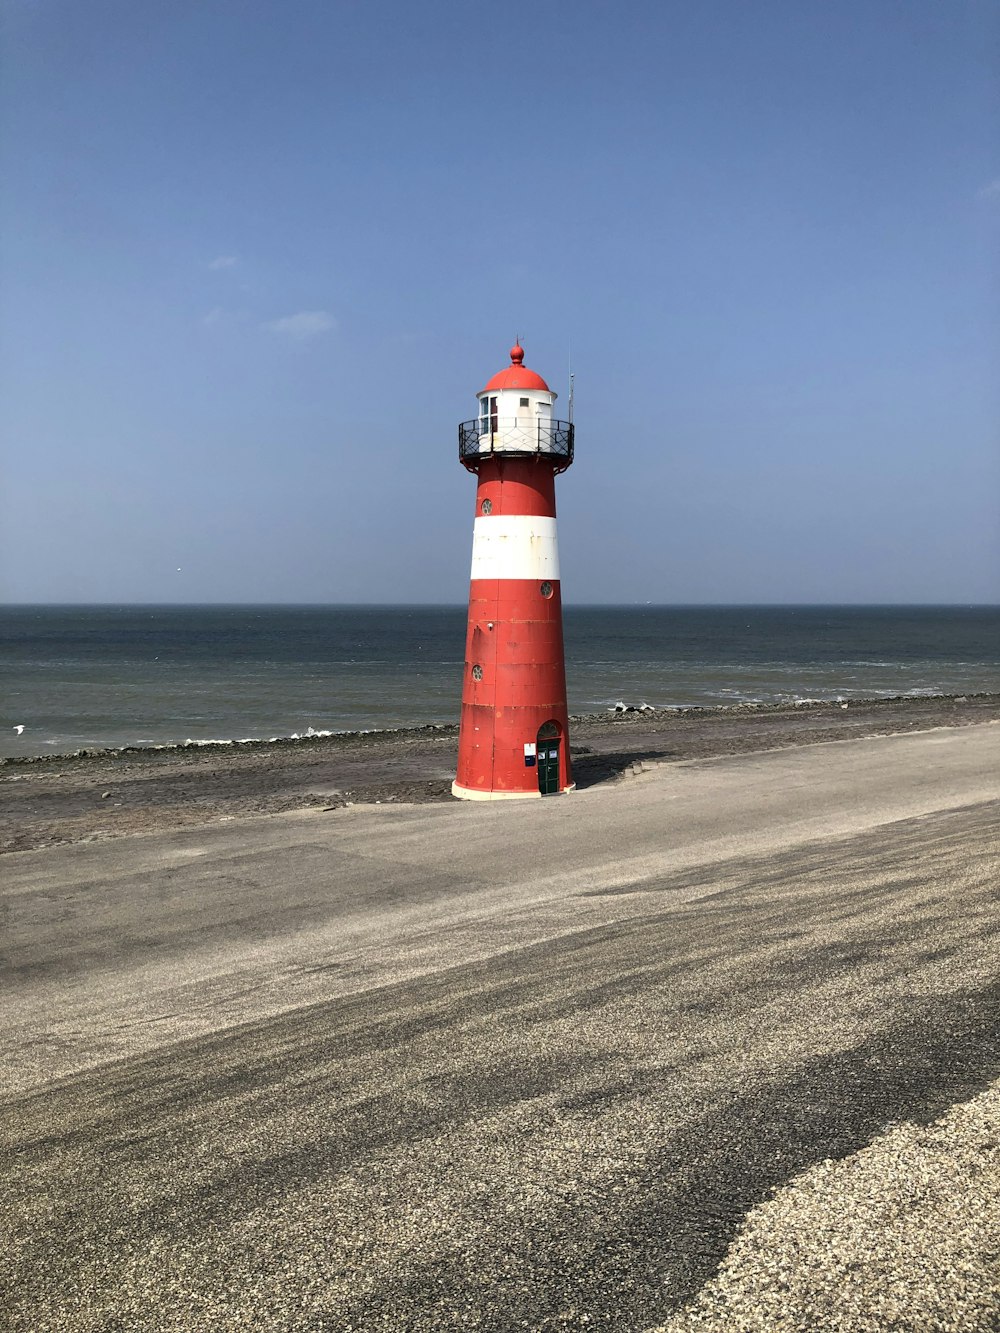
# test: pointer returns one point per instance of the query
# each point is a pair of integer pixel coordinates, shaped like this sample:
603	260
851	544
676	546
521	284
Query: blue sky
259	257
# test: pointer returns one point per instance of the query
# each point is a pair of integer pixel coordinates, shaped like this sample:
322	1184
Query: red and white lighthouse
514	736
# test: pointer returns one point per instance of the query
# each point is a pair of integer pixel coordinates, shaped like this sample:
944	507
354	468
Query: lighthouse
514	734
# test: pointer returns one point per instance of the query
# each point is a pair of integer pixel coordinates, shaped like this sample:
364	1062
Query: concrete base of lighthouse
472	794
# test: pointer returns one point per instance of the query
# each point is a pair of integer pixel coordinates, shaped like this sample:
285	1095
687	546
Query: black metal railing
515	437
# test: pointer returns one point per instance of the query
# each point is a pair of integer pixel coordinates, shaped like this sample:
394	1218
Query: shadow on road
589	769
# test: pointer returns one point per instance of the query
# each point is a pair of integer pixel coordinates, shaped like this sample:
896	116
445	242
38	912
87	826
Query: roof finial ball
516	353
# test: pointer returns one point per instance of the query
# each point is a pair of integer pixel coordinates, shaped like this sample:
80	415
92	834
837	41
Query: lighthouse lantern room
514	734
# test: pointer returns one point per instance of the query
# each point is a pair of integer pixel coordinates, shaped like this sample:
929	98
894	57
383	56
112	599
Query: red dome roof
516	375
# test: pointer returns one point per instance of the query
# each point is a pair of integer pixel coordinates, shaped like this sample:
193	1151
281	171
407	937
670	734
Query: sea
95	677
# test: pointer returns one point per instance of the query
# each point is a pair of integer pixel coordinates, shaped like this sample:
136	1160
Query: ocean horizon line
570	605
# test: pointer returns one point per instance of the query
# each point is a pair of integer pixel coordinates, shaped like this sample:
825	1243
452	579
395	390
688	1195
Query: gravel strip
904	1234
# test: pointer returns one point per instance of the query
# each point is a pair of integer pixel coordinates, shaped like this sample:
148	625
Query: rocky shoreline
619	712
97	794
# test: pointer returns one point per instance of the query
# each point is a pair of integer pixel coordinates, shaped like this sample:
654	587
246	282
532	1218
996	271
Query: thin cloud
224	261
991	191
221	318
305	324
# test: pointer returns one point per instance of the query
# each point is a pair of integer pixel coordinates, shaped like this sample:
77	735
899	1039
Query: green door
548	767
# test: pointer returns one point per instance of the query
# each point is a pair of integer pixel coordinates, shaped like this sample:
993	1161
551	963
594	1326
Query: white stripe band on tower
515	546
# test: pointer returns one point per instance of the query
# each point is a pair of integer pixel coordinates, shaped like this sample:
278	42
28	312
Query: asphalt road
512	1066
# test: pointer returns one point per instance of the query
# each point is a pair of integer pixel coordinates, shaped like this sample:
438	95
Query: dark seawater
87	677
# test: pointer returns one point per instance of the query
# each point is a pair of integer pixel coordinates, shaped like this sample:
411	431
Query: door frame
543	743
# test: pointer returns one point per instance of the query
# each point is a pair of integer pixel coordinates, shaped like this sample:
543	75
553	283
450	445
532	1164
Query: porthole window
487	506
477	672
546	589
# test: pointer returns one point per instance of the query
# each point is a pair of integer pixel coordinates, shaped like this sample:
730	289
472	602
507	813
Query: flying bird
19	728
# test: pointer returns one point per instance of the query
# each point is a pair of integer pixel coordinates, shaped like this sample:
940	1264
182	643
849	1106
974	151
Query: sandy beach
295	1041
